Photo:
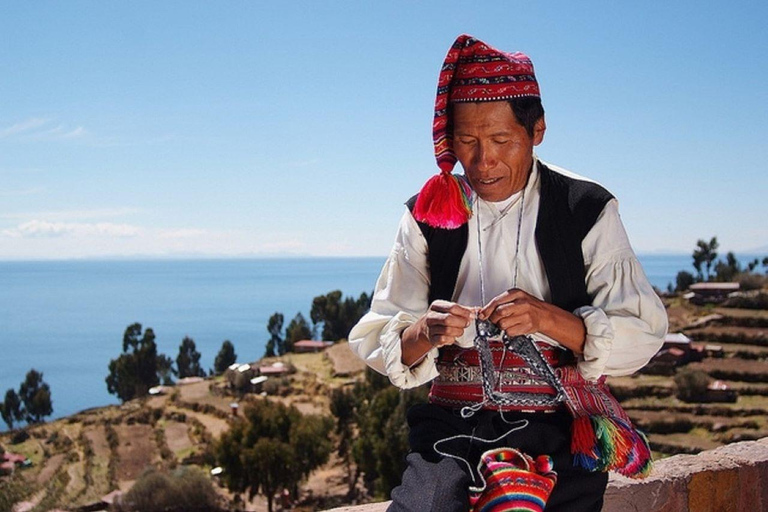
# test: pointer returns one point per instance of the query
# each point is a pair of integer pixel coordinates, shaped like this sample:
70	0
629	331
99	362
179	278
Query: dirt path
51	466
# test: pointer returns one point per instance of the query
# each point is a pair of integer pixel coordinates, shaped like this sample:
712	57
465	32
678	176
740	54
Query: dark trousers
432	482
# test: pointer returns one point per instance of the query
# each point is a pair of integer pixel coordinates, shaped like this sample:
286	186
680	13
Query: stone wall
731	478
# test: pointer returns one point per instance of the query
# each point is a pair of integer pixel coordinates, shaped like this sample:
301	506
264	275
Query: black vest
568	208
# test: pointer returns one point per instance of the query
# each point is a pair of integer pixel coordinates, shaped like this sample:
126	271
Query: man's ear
538	131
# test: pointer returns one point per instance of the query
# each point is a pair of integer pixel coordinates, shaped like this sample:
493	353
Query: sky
247	129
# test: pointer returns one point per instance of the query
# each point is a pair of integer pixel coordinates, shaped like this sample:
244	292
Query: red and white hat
472	71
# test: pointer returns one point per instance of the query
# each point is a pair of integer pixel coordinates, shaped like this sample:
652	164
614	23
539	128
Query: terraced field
674	426
77	461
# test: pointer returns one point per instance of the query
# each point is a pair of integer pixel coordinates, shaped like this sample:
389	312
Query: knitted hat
472	71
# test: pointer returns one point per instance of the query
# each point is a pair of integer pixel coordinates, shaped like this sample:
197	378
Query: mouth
488	181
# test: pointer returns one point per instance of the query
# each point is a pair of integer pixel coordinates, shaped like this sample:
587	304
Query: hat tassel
444	202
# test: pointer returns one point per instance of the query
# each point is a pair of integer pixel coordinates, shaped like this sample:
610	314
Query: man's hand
440	325
516	312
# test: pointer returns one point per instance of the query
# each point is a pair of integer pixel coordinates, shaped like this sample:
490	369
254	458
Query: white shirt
625	325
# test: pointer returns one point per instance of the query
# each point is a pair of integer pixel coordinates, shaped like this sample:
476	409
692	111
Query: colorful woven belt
460	383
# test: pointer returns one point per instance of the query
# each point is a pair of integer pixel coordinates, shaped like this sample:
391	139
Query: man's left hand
517	312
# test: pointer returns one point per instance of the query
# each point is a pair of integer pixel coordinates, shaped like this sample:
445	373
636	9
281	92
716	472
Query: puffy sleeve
400	298
626	322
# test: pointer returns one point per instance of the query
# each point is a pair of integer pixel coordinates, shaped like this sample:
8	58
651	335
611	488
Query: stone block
714	491
656	493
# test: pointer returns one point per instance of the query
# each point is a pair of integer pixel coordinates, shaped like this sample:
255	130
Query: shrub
13	489
691	385
19	437
749	281
186	489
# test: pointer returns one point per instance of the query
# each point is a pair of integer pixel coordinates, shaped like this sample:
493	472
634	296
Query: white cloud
22	192
24	126
61	132
182	233
64	215
46	229
42	129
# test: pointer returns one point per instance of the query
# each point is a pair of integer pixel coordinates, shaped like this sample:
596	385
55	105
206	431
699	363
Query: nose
485	158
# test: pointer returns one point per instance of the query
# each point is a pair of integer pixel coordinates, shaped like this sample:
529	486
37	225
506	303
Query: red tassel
583	437
442	203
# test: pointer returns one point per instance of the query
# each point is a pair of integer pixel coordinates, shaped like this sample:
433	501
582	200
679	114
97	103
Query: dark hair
527	111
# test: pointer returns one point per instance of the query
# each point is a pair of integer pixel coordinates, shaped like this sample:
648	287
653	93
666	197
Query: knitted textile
472	71
602	435
514	482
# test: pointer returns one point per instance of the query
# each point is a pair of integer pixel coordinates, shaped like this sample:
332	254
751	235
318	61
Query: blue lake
67	318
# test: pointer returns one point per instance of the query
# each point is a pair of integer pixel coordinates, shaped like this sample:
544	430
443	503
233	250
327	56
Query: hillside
76	461
675	426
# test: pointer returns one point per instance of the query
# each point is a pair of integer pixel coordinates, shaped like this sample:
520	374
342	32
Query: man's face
494	149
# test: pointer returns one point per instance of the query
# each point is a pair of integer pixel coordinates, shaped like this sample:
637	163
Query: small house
710	293
305	346
719	391
275	369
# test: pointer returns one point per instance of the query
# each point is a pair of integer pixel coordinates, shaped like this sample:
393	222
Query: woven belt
460	382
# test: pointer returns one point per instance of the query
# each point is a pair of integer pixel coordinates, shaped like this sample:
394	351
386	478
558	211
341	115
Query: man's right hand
441	325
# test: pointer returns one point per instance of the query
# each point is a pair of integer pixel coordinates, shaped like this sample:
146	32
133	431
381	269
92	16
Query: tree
298	329
272	466
727	270
343	407
275	329
139	367
35	395
10	408
336	315
272	446
705	254
188	360
382	442
225	358
684	280
186	489
165	369
691	384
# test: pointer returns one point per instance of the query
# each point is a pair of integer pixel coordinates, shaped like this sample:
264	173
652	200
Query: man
536	251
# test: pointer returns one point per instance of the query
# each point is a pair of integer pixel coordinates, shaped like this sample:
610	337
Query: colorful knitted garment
472	71
514	482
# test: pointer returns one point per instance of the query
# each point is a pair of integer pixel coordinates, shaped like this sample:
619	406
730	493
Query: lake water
67	318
